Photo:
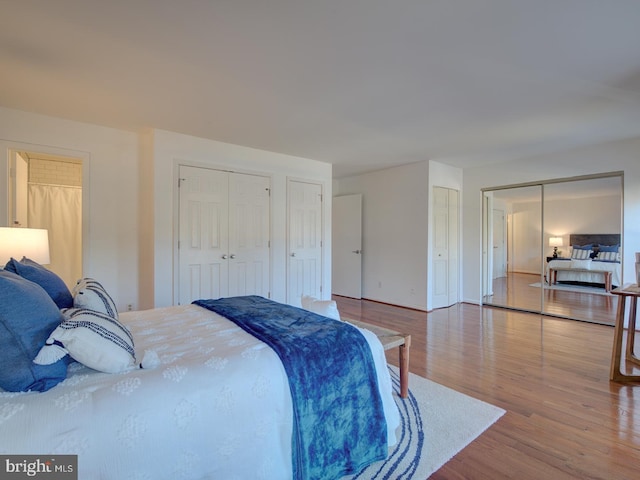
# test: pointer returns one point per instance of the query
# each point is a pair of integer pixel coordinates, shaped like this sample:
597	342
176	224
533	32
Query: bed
594	260
217	403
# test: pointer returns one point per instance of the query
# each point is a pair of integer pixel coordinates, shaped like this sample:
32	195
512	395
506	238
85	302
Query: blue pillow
608	248
27	318
52	283
583	247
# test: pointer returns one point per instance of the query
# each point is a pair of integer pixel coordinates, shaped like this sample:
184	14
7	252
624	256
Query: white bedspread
218	406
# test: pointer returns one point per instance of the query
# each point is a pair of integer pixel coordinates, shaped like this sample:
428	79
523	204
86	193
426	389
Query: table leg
631	328
616	353
404	367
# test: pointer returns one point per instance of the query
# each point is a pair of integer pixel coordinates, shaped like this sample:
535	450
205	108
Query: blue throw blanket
338	425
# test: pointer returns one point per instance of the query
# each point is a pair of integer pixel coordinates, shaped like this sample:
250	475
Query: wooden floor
515	291
564	419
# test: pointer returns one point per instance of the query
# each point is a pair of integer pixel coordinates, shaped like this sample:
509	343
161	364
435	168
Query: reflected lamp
16	242
555	242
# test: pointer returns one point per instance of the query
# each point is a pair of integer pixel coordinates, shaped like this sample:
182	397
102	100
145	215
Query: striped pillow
609	256
92	338
578	253
91	295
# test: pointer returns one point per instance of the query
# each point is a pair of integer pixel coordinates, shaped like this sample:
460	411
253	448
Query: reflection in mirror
585	218
531	236
513	226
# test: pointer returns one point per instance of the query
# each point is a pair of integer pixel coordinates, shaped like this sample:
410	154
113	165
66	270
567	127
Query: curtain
59	210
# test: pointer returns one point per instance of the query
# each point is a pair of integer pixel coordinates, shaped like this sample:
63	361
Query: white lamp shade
32	243
555	241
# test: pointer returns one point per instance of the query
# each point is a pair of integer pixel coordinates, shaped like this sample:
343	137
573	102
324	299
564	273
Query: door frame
5	179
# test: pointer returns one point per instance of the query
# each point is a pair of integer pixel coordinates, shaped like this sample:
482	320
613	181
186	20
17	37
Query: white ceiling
362	84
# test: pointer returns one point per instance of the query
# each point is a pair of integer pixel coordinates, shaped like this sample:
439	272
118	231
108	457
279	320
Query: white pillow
327	308
91	295
584	264
92	338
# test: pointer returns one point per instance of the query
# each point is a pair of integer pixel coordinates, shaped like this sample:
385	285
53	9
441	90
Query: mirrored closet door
555	247
513	224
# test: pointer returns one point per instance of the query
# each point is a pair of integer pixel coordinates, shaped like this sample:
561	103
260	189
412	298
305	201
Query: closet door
204	234
249	235
224	234
445	247
304	266
518	212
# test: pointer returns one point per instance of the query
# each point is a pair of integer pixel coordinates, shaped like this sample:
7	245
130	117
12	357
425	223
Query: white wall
169	149
110	161
394	232
607	157
581	215
396	228
131	191
525	225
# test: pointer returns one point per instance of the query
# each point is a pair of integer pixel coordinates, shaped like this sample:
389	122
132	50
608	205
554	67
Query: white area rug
437	422
573	288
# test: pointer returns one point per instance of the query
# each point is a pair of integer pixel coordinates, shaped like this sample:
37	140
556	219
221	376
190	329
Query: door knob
224	256
233	255
357	251
293	254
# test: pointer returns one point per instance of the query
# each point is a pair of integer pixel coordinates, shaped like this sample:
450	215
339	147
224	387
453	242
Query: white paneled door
249	235
346	246
223	234
445	247
304	265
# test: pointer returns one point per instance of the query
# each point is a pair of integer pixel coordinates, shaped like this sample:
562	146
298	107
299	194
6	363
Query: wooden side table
632	292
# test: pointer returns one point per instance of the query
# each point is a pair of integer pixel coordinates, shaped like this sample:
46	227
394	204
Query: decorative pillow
609	253
581	252
609	256
95	339
584	264
327	308
91	295
48	280
27	316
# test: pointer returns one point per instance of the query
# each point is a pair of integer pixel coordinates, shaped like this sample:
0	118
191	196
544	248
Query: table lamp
32	243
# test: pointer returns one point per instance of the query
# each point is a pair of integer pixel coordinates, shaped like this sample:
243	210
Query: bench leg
404	367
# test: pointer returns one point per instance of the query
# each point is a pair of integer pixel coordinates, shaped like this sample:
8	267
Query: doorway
45	191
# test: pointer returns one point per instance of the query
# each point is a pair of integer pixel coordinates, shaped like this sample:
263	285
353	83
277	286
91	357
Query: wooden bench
391	339
553	275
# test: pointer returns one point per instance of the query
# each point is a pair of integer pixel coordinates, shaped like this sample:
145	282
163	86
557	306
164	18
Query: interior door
203	234
249	235
445	247
304	265
346	245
